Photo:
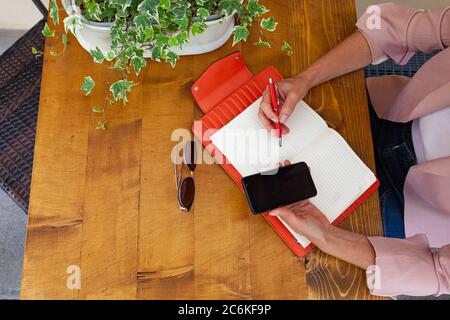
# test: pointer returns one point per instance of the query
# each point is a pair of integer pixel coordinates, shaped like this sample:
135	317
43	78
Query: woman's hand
290	91
304	218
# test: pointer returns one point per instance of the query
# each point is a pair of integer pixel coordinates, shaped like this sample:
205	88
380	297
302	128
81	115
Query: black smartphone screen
274	189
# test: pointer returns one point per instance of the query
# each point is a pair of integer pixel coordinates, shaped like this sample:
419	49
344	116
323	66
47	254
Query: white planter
98	34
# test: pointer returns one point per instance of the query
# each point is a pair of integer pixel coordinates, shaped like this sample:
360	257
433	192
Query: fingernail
283	118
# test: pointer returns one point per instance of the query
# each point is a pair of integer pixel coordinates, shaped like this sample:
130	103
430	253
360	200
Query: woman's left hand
306	219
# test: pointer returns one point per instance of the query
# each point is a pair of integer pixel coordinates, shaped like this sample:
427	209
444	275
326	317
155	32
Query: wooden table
105	200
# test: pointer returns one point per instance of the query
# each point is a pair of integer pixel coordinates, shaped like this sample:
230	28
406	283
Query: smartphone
278	188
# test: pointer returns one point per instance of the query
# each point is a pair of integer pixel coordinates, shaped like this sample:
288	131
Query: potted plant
126	32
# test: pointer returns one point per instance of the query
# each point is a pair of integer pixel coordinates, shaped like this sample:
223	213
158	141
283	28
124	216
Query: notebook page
339	174
251	149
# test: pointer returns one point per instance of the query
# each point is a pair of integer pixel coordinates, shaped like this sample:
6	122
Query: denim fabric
394	156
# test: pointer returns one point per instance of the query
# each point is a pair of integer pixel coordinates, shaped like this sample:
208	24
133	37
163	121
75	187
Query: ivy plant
156	26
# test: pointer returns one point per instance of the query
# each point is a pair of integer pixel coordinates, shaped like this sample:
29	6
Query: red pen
274	101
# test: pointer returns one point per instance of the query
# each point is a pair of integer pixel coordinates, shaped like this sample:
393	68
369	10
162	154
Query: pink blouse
409	267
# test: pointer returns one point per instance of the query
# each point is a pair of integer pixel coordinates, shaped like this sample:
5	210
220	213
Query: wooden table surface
105	200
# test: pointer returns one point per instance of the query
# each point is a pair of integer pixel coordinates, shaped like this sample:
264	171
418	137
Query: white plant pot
98	34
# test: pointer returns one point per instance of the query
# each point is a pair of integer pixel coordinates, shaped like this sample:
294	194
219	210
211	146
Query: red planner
226	89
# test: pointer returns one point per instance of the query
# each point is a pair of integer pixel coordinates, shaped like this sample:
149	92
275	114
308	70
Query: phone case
250	200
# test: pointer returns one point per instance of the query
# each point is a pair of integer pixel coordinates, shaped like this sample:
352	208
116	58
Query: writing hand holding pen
290	93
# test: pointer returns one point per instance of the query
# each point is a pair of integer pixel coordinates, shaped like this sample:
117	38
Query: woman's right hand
290	91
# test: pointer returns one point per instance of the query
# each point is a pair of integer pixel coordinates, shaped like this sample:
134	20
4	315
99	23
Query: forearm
350	55
351	247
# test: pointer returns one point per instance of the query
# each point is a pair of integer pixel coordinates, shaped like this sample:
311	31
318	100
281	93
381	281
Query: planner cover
223	92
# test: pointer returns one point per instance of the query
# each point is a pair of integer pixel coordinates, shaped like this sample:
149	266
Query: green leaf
157	53
183	23
262	43
149	6
92	11
173	42
142	21
180	9
88	85
198	28
182	37
47	32
256	9
172	58
111	55
165	4
72	23
36	52
138	63
120	89
240	33
97	55
161	40
202	14
54	12
97	109
286	47
229	6
269	24
149	33
123	4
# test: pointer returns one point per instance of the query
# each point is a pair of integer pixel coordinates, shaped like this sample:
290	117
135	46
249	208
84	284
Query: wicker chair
20	79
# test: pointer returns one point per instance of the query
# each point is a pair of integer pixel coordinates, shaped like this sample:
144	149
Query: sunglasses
185	187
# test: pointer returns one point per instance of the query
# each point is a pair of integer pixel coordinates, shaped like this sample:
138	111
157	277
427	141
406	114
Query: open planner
229	95
338	173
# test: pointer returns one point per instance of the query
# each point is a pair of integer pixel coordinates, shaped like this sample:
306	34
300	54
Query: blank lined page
339	174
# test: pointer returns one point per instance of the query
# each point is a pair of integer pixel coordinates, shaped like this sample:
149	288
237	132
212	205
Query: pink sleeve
399	31
408	267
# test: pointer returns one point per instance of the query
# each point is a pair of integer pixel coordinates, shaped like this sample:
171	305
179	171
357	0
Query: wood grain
57	197
106	200
111	205
166	241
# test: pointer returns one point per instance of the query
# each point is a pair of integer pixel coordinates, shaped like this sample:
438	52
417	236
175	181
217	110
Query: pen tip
270	80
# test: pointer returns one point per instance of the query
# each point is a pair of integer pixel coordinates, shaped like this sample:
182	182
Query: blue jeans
394	156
